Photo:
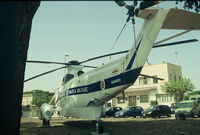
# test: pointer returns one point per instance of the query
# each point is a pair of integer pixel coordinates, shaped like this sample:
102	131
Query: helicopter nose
46	111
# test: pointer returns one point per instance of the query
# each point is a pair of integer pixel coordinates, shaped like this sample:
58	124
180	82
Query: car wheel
134	116
169	115
180	116
199	114
192	115
154	116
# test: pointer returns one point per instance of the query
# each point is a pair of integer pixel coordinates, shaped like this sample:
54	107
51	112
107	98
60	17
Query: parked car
110	112
130	111
186	109
173	107
157	111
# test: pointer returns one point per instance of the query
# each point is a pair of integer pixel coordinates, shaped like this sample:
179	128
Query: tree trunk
15	27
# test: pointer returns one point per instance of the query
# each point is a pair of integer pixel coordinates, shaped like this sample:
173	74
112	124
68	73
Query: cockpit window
80	72
67	78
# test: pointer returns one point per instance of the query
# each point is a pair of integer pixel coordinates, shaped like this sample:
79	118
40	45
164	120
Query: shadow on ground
114	127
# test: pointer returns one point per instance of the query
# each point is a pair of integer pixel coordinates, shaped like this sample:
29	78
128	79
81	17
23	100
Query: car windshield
185	105
152	108
107	109
173	105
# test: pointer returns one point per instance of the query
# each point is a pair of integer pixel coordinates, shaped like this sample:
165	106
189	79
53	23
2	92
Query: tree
40	97
15	25
178	88
190	4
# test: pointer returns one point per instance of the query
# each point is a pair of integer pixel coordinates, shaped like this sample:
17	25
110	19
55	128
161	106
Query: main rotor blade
160	45
106	55
44	73
176	43
120	3
153	77
89	66
47	62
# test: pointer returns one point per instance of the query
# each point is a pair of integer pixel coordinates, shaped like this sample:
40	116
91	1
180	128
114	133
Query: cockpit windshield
67	78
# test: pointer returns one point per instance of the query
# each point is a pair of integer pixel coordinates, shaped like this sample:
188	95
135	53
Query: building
27	99
146	91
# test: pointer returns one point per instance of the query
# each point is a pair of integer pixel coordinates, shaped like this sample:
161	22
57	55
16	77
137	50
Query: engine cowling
46	111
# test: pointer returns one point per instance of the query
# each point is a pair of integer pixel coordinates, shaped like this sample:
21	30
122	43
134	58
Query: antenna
65	59
176	53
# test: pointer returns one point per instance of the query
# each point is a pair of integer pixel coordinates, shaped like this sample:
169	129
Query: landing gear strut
99	129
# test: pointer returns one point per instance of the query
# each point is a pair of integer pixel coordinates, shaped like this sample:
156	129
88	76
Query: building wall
146	90
27	99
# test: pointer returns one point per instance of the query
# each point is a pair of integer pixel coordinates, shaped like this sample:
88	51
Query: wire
127	20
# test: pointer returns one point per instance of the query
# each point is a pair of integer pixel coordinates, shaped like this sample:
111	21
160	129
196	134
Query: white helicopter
84	94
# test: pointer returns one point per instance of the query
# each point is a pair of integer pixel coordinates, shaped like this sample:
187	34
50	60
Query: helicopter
83	94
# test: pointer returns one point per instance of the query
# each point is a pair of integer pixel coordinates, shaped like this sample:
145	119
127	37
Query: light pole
65	60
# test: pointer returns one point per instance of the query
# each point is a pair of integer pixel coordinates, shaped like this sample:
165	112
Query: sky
78	30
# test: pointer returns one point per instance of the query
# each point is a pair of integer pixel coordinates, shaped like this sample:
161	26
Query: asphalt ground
114	126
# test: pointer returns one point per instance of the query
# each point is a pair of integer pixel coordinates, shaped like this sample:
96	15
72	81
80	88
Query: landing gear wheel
45	122
99	129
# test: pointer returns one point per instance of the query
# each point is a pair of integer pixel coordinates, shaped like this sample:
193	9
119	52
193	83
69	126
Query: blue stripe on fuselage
115	81
133	57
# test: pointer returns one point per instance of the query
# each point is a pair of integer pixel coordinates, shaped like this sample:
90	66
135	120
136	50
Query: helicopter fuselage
84	95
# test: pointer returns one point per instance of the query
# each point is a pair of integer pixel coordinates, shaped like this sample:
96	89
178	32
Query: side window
160	108
133	108
67	78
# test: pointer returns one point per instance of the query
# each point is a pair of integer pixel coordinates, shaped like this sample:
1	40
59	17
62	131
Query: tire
45	122
154	116
169	115
192	115
180	116
100	129
199	114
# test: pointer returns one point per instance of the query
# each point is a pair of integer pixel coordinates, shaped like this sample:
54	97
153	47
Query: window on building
144	98
154	79
170	76
174	77
143	80
120	100
164	98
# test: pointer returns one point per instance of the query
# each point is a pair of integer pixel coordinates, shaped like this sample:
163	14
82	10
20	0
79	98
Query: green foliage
178	88
197	92
193	4
40	97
